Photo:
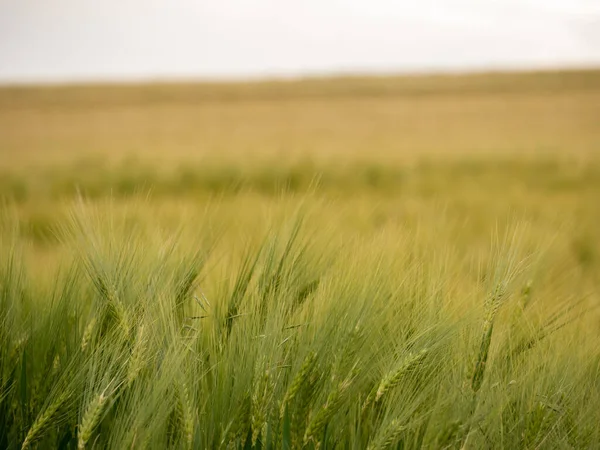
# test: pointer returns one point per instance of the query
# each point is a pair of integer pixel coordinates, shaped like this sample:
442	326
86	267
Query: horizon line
284	76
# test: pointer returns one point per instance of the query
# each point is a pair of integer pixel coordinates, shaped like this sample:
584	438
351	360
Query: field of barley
406	262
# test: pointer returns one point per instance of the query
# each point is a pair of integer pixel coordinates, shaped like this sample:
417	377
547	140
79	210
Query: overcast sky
65	40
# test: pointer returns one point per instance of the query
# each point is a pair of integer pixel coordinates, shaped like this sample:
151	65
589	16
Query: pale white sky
65	40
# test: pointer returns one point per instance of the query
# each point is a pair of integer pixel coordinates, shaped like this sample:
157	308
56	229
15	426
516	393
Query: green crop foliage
400	263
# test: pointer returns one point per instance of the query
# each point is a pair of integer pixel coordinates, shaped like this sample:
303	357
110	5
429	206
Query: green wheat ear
299	380
44	421
260	406
138	353
87	334
90	420
324	415
184	410
390	436
393	379
492	307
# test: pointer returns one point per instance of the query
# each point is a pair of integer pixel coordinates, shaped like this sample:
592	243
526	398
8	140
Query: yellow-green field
409	262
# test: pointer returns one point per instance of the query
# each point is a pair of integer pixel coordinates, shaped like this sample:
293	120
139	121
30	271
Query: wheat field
394	262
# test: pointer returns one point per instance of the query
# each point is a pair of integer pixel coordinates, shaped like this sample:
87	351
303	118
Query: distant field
385	120
479	146
395	262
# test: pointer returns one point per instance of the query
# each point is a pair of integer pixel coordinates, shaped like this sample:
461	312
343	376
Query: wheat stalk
393	379
186	415
492	307
87	334
240	424
42	422
137	356
389	437
259	407
299	380
90	420
333	403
